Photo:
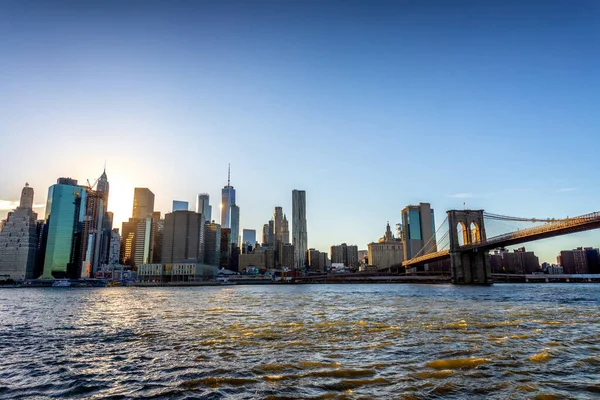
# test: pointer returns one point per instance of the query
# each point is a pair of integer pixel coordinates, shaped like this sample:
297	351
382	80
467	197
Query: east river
302	341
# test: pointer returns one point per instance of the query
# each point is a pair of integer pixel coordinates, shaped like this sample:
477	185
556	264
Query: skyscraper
137	241
212	244
65	215
418	225
278	224
285	234
227	200
299	234
203	207
249	236
235	224
182	238
265	234
19	239
179	205
143	203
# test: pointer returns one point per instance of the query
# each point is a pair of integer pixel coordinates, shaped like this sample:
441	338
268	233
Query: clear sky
368	106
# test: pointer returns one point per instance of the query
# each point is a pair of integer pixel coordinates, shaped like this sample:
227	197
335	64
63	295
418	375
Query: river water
302	341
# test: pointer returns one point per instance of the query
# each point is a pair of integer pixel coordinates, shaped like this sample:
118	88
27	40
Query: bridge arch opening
463	233
475	232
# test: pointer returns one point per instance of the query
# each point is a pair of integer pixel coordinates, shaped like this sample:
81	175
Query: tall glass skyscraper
299	234
418	223
65	213
249	236
203	206
227	200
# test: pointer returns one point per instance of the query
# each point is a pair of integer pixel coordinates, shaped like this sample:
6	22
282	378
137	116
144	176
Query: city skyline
479	101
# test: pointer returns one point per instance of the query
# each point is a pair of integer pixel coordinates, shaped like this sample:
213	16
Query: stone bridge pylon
470	266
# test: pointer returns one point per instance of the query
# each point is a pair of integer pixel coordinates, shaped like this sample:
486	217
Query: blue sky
368	106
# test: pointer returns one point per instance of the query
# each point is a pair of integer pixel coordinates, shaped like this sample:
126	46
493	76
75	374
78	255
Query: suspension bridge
462	238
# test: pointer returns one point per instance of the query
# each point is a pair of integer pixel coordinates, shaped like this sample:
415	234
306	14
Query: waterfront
294	341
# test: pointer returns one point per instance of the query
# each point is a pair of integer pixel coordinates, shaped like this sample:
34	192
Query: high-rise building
288	256
212	243
65	216
19	240
158	231
203	206
143	203
115	247
225	250
227	200
278	224
182	238
271	237
285	234
235	223
137	240
249	236
314	260
179	205
96	228
418	230
299	234
576	261
265	234
344	254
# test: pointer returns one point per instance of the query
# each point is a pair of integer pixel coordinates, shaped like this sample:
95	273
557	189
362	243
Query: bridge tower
470	265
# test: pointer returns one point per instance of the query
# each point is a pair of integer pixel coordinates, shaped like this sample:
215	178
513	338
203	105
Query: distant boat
61	283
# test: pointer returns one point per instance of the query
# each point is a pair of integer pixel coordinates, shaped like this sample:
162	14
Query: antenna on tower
228	173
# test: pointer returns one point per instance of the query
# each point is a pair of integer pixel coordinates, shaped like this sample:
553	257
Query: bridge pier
470	266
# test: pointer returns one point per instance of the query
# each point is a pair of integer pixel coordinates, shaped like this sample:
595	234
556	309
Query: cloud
9	205
461	195
563	190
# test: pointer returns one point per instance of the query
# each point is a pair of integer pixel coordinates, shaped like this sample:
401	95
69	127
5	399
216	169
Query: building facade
387	252
183	237
19	240
179	205
249	237
203	206
418	230
212	244
65	216
345	254
299	230
143	203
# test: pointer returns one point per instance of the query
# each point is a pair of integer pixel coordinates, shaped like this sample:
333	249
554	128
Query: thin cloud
563	190
461	195
9	205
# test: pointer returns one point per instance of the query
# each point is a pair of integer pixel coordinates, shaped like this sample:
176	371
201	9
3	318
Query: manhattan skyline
368	108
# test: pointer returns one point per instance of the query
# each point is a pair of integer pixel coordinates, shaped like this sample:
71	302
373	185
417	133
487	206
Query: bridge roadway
572	225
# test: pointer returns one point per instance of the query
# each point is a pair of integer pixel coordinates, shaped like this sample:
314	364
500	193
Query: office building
227	200
143	203
179	205
418	230
265	234
288	256
285	231
314	261
299	233
137	239
65	216
19	240
158	231
115	247
212	243
278	224
235	224
344	254
579	260
182	237
249	237
203	206
225	250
